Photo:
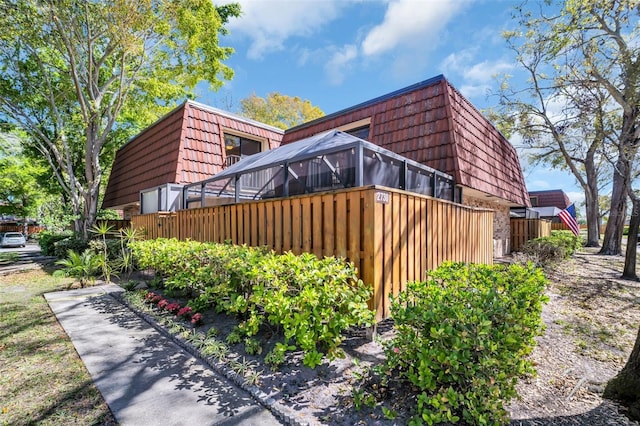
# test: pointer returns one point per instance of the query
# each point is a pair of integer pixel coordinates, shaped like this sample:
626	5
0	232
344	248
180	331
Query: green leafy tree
567	118
20	193
78	77
278	110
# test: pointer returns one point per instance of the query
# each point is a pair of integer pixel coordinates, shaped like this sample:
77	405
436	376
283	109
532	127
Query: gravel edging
280	411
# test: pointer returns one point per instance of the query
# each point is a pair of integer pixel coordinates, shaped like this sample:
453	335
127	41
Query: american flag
568	217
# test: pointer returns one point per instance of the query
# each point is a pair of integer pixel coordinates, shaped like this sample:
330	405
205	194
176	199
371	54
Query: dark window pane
239	146
249	147
360	132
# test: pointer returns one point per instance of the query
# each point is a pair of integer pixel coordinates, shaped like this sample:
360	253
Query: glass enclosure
324	162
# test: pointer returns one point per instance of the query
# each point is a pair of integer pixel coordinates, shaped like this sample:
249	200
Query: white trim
264	142
355	124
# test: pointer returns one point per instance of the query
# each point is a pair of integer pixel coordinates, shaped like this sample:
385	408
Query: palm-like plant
125	264
82	266
102	229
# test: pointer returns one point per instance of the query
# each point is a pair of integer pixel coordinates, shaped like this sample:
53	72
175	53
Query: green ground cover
42	379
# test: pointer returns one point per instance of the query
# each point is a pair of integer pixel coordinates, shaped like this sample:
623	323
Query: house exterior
189	144
549	203
432	123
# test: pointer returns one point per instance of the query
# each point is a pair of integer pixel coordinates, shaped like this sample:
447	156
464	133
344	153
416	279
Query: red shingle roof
184	146
432	123
550	198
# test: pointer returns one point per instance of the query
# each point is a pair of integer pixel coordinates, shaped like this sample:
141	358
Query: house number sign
382	197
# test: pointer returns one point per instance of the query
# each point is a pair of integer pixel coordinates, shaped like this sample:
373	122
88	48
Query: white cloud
478	77
576	197
471	91
339	64
270	23
411	22
485	71
538	185
481	72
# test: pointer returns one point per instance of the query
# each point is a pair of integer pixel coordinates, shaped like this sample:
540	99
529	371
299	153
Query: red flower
152	297
163	304
173	307
185	312
196	319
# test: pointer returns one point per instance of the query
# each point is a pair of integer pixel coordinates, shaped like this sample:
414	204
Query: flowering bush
173	308
196	319
152	298
162	304
185	312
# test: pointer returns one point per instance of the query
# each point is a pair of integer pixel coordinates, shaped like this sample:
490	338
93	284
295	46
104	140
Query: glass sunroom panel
379	169
219	189
444	188
322	173
419	180
263	183
193	195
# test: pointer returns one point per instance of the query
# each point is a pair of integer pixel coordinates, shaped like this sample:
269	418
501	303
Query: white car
12	239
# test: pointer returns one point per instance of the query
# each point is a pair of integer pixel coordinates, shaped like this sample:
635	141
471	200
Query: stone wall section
501	223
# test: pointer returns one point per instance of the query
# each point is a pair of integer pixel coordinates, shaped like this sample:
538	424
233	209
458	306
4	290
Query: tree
625	386
20	193
563	123
278	110
605	33
593	44
73	73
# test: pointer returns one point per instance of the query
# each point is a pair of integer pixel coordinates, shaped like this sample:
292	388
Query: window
360	132
238	146
359	129
534	201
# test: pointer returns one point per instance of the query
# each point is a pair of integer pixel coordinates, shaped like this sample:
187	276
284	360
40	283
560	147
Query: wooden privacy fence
392	236
31	229
115	224
559	227
523	230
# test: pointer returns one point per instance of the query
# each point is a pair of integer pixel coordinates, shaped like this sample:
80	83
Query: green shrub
463	337
97	246
311	300
74	242
48	239
548	250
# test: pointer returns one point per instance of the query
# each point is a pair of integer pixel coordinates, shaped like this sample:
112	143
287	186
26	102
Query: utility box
163	198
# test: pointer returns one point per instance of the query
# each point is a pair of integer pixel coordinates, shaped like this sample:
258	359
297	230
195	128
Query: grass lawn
42	379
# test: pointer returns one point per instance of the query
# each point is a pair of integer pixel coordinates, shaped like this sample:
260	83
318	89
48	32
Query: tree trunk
593	217
625	387
632	242
612	243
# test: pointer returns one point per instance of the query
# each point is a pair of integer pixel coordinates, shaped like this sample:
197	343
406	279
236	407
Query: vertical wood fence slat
523	230
390	240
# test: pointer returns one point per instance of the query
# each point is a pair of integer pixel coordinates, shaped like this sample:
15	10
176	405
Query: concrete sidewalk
144	376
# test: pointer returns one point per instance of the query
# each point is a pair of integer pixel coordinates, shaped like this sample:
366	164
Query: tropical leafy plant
102	229
83	266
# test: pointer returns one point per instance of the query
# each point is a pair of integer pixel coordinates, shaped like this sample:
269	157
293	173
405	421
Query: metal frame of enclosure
392	236
329	161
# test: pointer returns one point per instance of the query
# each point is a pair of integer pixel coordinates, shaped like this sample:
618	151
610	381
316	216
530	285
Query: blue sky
337	53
